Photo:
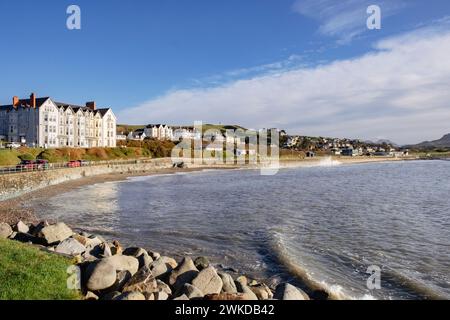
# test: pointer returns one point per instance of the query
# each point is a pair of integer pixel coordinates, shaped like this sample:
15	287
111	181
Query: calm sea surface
324	225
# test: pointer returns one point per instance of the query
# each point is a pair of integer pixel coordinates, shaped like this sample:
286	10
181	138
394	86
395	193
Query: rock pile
110	272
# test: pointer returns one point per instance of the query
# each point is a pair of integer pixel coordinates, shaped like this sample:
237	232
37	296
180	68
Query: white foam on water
324	162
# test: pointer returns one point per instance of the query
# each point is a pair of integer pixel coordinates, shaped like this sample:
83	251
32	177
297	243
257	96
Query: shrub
27	156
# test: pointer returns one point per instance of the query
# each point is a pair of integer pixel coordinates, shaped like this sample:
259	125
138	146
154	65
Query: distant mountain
443	142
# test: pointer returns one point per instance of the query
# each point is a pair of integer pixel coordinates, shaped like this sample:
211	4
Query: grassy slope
26	273
12	157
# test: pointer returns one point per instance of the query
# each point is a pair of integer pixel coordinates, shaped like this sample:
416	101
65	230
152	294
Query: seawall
14	185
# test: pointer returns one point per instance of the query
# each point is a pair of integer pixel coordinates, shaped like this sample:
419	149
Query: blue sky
173	61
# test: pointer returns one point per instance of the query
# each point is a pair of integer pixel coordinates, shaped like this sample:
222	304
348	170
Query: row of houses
176	133
44	122
162	132
343	147
215	142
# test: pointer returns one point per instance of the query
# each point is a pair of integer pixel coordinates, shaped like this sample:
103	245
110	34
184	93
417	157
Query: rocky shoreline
107	271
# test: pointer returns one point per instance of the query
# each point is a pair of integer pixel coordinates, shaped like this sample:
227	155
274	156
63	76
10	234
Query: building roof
40	101
103	111
26	103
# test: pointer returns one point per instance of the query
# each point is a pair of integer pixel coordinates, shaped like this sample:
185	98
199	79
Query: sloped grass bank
27	273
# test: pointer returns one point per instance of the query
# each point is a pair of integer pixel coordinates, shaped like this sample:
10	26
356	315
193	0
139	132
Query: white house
42	122
138	135
159	131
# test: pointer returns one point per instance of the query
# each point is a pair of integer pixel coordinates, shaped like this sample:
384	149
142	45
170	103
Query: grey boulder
286	291
262	291
143	281
208	281
228	283
191	291
130	296
102	274
70	246
247	292
201	263
21	227
5	230
185	272
55	233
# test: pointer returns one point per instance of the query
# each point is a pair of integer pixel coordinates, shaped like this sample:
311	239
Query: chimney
91	105
15	102
33	100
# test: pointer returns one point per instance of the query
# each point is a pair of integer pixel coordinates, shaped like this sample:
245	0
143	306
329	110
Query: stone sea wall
14	185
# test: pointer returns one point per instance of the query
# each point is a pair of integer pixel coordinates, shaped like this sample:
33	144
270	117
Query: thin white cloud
344	19
399	91
294	61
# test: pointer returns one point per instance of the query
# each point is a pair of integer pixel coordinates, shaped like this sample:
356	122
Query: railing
22	168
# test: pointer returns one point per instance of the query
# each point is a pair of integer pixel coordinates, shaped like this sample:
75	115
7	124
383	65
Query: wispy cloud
345	19
294	61
398	91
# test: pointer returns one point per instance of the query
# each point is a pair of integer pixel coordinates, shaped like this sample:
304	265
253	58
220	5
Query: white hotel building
42	122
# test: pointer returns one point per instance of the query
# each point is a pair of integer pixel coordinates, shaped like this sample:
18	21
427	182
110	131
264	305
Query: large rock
122	279
27	238
130	296
208	281
122	263
191	291
5	230
160	268
141	254
110	295
70	246
155	255
201	263
185	272
169	261
116	248
143	281
21	227
90	296
242	280
36	228
262	291
228	283
102	274
248	293
89	242
286	291
106	250
160	296
134	252
55	233
226	296
161	286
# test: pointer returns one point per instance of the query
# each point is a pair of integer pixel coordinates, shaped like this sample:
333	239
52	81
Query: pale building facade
159	131
42	122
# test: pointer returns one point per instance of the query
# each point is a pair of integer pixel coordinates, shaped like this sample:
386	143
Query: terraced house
43	122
